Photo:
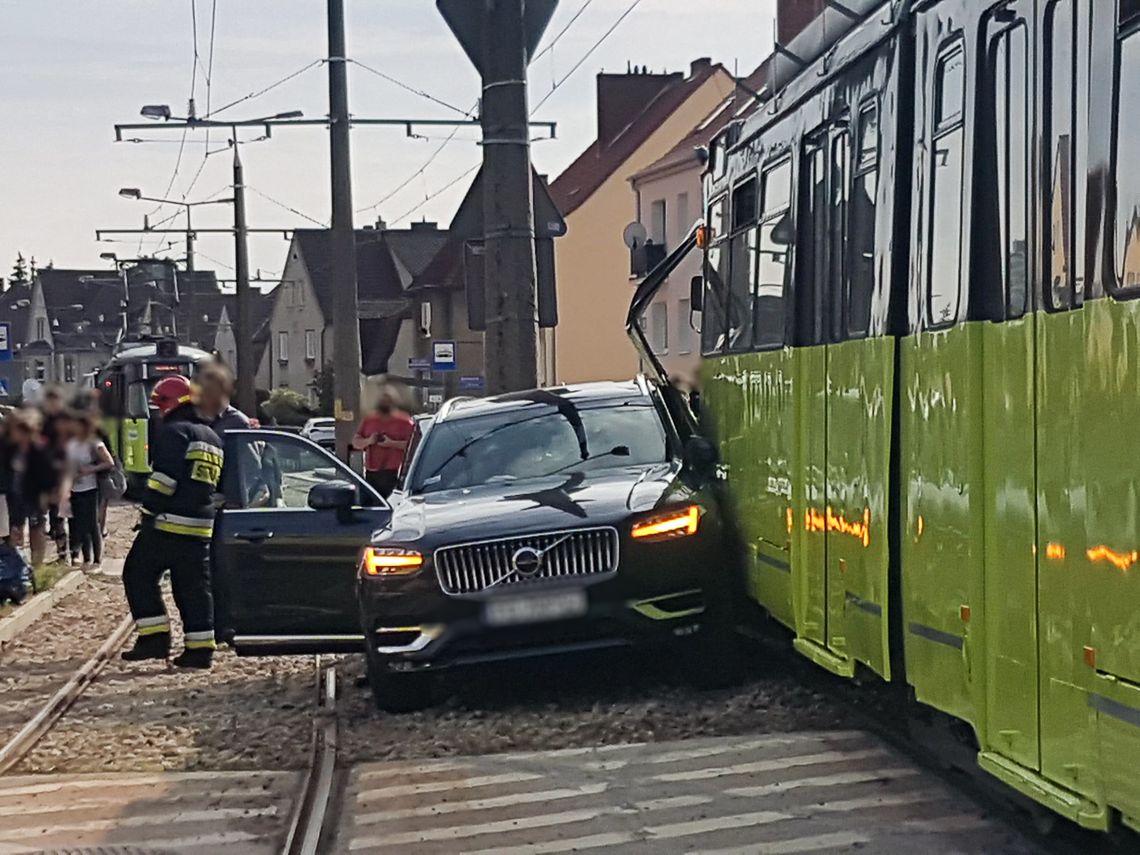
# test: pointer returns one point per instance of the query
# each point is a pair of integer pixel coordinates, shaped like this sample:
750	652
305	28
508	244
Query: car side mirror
339	496
701	455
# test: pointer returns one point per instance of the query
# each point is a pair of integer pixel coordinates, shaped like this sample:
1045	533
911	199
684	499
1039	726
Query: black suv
543	522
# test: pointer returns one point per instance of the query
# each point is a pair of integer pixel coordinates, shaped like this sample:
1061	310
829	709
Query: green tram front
125	384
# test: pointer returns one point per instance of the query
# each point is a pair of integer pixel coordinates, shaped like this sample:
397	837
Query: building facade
641	118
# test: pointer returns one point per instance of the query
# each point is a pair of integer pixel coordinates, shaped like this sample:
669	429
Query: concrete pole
511	339
245	369
346	324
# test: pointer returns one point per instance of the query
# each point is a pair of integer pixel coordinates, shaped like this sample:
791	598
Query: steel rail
314	798
23	742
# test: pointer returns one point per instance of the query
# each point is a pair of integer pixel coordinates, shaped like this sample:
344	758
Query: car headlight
680	522
384	561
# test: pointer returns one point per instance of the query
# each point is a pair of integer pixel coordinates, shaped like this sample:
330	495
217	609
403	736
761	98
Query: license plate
535	608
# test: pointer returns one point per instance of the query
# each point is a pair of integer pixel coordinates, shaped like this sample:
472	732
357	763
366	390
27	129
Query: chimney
793	17
621	97
700	66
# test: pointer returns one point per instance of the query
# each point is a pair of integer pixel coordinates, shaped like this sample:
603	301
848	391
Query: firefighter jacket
186	464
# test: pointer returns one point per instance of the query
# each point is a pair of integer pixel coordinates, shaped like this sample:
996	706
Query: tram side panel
940	373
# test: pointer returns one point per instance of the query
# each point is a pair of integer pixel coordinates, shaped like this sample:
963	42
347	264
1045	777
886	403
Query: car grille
473	567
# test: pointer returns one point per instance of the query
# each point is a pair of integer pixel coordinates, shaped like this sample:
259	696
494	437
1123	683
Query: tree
288	407
19	274
322	385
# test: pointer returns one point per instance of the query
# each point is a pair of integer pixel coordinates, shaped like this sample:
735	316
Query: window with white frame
310	345
68	369
659	327
684	331
282	346
41	329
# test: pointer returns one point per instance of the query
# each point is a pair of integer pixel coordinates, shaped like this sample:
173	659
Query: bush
288	407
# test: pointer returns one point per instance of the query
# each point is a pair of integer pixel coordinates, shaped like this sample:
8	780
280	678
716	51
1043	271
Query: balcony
643	259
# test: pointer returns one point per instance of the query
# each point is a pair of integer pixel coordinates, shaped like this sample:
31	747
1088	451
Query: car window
537	441
278	472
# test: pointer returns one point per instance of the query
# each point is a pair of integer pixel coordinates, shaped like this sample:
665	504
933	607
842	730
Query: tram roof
149	350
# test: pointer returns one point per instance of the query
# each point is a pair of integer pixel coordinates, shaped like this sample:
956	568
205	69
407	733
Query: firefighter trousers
188	560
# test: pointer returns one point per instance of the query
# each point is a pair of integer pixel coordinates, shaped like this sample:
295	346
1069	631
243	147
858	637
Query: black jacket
186	466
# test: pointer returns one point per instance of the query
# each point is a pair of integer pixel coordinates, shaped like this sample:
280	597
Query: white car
322	431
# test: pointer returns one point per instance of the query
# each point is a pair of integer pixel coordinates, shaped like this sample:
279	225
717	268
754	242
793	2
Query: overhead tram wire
258	93
437	193
423	168
408	88
550	46
289	208
587	54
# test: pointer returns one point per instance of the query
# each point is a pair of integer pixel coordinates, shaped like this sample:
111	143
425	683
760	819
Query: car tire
399	693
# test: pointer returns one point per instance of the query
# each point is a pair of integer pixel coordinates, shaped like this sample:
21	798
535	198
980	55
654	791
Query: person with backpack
33	480
87	457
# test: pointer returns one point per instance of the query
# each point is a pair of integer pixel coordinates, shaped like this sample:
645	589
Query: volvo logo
527	561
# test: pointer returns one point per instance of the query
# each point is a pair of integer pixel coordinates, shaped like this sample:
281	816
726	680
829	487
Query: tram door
1009	345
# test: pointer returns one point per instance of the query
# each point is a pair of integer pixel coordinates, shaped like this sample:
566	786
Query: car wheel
399	693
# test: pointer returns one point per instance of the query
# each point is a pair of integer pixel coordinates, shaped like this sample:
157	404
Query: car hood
572	500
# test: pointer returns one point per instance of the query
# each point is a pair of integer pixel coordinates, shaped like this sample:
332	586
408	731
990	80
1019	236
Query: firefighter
177	524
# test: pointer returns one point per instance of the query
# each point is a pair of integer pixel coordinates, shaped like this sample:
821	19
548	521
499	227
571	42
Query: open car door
287	546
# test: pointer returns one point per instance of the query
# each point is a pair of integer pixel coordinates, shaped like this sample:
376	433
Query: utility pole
246	370
511	339
346	324
191	284
499	37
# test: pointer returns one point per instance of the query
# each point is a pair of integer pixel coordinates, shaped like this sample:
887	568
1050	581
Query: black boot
195	657
155	646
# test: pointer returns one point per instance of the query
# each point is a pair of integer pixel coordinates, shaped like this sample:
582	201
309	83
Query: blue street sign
5	342
443	356
471	384
419	363
3	388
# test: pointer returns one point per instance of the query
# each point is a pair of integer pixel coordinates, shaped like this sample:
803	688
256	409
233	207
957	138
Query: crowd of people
57	476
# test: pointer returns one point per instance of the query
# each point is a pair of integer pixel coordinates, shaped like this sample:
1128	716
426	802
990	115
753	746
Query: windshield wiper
616	451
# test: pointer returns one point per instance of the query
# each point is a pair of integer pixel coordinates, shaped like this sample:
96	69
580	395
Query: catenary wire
408	88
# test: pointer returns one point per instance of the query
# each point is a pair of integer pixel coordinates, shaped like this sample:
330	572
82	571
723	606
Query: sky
71	69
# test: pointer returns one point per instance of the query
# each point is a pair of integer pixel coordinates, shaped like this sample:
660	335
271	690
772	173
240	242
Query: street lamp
156	112
130	193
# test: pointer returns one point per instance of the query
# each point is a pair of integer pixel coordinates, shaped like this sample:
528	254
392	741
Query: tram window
945	239
744	205
1129	11
1059	106
861	224
1127	178
837	233
776	237
713	314
811	261
742	249
778	187
1011	122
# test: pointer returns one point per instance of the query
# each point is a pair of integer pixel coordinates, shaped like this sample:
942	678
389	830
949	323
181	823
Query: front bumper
660	593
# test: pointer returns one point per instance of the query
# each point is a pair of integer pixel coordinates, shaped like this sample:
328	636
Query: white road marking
944	824
871	802
571	844
693	827
444	786
480	804
774	765
457	832
813	843
418	769
215	814
197	841
841	779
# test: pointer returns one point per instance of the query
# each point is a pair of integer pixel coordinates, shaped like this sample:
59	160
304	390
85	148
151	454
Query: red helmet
170	393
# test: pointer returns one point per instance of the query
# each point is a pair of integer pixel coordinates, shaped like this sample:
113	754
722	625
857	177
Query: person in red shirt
383	436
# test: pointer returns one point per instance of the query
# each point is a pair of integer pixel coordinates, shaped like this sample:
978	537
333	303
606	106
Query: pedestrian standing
216	388
33	480
383	436
87	456
177	524
56	432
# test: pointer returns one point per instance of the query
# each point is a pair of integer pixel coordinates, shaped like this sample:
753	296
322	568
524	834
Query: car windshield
537	441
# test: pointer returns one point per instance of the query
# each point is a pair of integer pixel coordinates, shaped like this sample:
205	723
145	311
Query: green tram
921	360
124	385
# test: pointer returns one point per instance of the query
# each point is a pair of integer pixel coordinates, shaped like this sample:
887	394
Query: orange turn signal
379	561
680	523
